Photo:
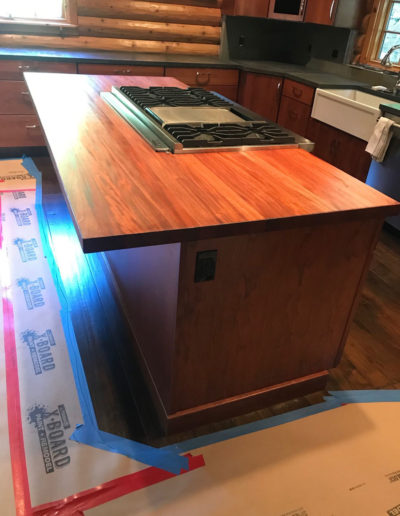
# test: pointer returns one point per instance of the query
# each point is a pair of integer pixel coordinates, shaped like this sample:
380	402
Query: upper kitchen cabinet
258	8
261	93
340	13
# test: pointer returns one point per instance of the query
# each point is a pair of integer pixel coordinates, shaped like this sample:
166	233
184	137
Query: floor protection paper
43	380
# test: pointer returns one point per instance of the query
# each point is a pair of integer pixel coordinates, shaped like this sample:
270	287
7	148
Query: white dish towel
380	139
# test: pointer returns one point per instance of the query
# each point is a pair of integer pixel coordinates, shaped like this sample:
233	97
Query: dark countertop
299	73
306	75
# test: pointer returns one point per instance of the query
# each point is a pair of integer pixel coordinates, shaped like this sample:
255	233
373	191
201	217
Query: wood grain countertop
121	193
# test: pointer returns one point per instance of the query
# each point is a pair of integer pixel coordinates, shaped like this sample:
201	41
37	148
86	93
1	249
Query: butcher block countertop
121	193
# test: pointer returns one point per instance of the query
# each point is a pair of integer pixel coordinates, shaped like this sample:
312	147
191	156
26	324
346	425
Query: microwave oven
287	9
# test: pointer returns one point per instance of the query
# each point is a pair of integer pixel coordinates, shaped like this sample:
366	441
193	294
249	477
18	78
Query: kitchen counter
238	272
309	76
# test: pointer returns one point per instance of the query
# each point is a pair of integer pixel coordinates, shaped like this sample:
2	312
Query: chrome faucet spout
386	58
385	61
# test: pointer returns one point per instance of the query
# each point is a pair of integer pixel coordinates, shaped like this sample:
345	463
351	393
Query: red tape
17	451
74	504
111	490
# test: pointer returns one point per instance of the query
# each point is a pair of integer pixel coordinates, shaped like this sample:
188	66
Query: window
38	11
383	33
391	33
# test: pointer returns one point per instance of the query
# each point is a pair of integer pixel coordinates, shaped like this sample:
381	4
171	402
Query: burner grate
228	135
170	96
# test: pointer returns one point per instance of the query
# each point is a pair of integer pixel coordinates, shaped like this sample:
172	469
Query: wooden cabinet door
340	149
294	115
321	11
261	93
257	8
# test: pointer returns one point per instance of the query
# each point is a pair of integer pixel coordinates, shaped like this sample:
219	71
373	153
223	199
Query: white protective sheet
50	410
342	462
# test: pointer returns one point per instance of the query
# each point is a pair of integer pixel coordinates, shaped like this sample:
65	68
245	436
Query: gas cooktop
194	120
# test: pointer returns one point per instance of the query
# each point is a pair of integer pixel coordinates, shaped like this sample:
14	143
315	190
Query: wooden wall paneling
147	281
159	31
275	295
92	43
150	11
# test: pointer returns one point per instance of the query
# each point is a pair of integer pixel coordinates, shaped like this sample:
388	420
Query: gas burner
170	96
228	135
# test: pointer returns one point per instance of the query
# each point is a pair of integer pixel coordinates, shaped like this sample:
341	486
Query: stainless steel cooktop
195	120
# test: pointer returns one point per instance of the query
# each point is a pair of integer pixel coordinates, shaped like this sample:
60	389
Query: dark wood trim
249	402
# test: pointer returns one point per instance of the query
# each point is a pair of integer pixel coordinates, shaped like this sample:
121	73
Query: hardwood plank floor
371	359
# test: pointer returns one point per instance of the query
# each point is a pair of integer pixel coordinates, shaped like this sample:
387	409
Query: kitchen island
239	272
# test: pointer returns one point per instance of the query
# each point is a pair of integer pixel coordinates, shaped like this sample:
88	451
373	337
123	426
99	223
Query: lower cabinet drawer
204	77
15	98
14	69
20	131
294	115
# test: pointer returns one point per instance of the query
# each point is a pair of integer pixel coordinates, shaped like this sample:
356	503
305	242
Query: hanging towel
380	139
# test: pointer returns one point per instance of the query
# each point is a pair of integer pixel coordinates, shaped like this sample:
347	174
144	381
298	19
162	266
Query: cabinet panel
298	91
204	77
261	93
342	150
14	69
321	11
257	8
119	69
15	98
20	131
294	115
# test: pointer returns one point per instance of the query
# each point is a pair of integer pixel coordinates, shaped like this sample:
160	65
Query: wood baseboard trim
244	403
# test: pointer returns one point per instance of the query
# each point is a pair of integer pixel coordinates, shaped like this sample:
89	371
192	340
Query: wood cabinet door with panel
294	115
340	149
321	11
261	93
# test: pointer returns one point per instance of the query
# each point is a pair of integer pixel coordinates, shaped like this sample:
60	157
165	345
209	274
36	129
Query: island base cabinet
227	326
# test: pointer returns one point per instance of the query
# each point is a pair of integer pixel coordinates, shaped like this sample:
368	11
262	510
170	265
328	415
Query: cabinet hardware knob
206	76
24	92
31	126
297	92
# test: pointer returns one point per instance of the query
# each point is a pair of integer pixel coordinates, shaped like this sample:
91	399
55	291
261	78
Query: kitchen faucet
386	62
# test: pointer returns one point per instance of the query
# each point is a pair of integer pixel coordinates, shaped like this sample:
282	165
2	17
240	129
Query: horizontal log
132	29
149	11
90	43
198	3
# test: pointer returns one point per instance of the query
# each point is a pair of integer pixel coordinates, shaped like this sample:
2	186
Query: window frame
375	34
69	19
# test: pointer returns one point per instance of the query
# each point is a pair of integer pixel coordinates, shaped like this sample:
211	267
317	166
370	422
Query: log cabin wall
165	26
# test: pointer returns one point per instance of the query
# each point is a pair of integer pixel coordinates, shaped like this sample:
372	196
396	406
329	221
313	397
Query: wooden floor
371	359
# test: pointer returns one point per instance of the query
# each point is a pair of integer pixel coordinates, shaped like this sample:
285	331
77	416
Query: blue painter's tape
231	433
367	396
89	433
166	459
